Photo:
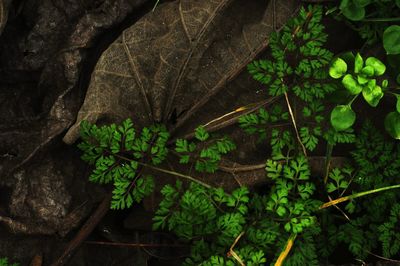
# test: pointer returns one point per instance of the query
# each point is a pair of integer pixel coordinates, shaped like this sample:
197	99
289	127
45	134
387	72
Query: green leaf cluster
298	69
311	130
268	124
376	21
376	164
211	219
292	180
298	58
257	123
339	180
116	151
205	152
362	79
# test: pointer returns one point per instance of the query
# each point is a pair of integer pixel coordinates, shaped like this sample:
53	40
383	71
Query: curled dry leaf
175	59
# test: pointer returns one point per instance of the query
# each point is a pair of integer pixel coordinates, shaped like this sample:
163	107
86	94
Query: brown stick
229	119
86	229
134	245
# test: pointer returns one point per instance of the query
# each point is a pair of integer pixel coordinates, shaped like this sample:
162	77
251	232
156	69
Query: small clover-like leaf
342	117
362	80
338	68
378	67
372	93
351	84
392	124
368	71
358	63
391	39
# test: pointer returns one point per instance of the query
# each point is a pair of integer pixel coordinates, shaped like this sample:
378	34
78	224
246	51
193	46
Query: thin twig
229	118
340	210
133	245
85	231
295	125
178	174
383	258
241	168
233	253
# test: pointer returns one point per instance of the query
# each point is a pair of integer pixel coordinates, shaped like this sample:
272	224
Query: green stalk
177	174
285	252
381	20
155	5
357	195
166	171
352	100
329	150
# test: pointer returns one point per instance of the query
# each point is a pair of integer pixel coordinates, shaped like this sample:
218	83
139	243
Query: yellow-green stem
357	195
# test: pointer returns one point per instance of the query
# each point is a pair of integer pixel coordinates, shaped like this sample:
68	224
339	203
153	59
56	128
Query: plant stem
352	100
166	171
233	253
229	118
177	174
357	195
329	150
295	125
155	5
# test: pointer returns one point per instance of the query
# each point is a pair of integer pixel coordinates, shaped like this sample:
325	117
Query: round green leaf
392	124
391	39
377	65
368	71
338	68
351	84
372	95
398	3
352	11
358	63
342	117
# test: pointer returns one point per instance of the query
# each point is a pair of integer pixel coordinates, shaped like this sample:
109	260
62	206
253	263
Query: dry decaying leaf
174	60
3	13
40	71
